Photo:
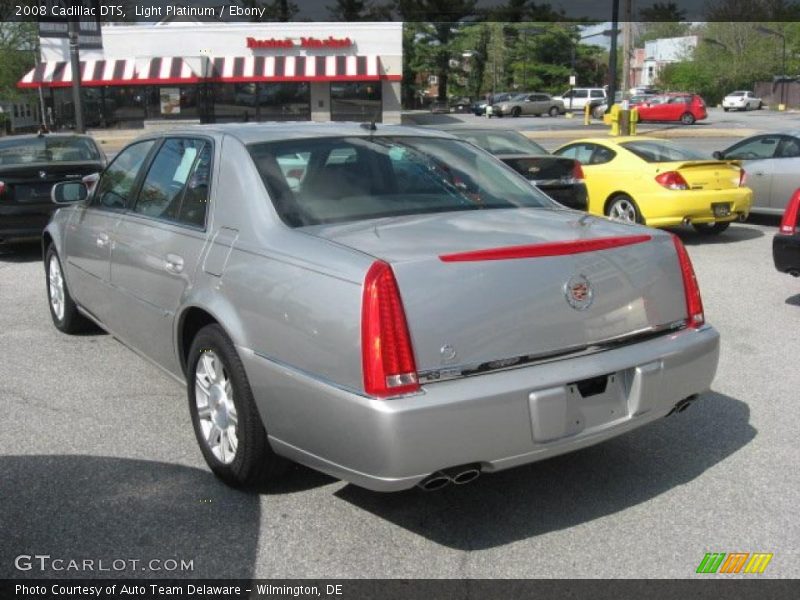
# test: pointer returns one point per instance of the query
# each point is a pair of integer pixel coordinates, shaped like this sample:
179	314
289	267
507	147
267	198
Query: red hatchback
686	108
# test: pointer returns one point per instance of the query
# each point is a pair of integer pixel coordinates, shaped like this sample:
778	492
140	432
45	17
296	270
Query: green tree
18	52
443	19
359	10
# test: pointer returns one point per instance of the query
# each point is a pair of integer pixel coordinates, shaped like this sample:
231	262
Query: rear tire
623	208
725	109
687	118
63	309
226	421
711	228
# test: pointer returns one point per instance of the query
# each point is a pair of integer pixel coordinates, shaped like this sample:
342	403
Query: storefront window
238	102
356	102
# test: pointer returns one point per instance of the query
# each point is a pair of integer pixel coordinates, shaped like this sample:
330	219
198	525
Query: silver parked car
536	104
772	164
392	306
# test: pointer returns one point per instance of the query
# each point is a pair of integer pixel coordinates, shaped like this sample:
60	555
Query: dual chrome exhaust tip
456	475
683	404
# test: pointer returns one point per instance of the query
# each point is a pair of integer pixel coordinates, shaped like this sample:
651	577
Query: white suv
577	98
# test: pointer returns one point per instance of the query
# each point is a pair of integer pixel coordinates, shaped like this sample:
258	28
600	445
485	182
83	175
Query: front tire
553	112
623	208
711	228
63	309
226	422
725	108
516	111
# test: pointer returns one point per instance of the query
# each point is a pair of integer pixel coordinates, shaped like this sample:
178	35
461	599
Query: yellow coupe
659	183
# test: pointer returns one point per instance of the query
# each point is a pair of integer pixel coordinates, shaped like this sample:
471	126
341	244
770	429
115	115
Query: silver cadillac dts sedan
389	305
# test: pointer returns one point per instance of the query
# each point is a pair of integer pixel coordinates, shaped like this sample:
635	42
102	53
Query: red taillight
694	304
672	180
789	220
387	356
577	171
742	177
2	188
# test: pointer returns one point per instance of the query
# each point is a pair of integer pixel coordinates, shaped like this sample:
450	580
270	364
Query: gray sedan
392	306
772	164
536	104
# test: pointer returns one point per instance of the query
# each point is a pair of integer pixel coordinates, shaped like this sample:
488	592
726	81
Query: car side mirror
69	192
718	155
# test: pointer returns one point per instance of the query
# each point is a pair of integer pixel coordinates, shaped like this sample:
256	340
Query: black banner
403	589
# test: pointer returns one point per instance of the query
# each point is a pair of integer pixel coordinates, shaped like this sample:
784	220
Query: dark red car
683	107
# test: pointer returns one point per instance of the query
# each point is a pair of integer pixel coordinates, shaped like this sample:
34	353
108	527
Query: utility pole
627	46
612	58
75	62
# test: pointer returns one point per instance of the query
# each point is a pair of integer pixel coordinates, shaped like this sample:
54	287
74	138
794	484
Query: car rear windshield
502	142
47	149
654	152
328	180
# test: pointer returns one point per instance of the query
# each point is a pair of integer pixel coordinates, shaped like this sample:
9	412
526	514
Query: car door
90	233
757	155
158	244
785	172
600	179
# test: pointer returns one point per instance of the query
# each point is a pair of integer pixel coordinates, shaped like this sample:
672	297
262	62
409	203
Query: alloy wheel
622	209
216	410
56	287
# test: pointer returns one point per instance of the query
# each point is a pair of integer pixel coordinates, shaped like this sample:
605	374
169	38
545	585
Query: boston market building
224	72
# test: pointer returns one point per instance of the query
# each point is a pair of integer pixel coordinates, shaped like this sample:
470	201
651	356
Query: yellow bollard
587	114
613	120
634	120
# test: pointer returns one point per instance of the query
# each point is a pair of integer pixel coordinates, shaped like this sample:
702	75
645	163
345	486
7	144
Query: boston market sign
305	42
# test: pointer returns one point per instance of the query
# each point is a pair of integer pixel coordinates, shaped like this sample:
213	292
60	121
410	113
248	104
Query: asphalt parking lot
99	461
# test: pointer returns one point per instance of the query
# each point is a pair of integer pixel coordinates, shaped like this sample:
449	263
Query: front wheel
623	208
516	111
711	228
687	118
553	112
725	108
226	422
63	309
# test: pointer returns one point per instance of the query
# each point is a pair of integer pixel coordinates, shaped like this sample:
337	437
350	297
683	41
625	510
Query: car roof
616	140
32	136
251	133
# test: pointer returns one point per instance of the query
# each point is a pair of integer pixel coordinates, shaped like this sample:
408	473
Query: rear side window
597	94
116	184
763	146
654	152
580	152
178	175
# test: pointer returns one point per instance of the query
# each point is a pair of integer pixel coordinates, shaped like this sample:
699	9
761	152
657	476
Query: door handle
759	173
102	240
173	263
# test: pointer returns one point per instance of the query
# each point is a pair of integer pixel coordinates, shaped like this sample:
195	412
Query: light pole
769	31
607	32
75	61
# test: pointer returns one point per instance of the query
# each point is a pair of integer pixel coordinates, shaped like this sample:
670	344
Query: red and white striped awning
237	69
147	71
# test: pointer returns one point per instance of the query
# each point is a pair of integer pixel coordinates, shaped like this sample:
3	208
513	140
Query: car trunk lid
706	175
31	183
495	307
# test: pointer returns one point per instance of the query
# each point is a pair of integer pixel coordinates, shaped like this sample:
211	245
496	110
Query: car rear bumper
786	253
497	420
24	220
571	195
671	208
